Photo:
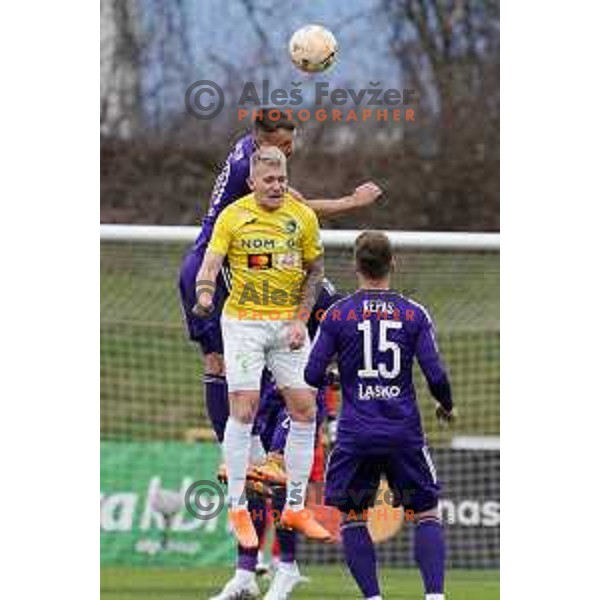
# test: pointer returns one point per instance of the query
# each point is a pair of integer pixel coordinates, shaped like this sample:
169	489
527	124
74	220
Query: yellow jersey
266	251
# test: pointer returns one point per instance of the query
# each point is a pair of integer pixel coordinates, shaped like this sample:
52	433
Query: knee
214	364
242	408
303	414
244	414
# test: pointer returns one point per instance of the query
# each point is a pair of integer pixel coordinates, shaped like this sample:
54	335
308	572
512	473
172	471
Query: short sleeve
312	247
222	234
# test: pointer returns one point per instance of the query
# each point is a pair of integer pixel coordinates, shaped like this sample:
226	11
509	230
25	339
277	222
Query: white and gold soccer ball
313	48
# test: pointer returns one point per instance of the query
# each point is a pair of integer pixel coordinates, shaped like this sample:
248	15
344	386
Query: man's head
374	259
268	177
279	132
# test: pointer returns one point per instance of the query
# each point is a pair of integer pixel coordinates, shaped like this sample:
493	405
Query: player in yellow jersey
273	246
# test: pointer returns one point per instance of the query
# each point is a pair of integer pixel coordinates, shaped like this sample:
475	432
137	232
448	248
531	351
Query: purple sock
430	554
285	537
280	433
247	557
217	403
360	557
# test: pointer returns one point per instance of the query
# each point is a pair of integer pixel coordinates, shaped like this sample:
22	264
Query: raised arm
363	195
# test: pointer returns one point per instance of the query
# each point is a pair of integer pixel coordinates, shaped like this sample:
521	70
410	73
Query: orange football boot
304	522
272	470
253	482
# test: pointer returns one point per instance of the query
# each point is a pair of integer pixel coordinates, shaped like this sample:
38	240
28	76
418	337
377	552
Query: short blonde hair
270	155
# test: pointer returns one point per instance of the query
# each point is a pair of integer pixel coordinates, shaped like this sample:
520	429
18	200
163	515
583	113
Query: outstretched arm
363	195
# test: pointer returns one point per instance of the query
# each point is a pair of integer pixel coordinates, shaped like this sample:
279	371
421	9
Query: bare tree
441	172
120	68
450	50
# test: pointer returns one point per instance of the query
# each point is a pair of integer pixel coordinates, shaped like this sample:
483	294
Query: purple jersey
231	185
328	295
376	335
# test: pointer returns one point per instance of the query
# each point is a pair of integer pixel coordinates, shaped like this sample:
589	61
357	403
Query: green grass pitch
327	582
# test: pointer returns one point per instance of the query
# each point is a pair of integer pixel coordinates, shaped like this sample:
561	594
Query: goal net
156	439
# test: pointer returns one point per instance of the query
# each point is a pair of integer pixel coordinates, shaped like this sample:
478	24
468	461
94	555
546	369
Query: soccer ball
313	48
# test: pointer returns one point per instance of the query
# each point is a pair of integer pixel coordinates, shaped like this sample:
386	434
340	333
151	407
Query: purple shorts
352	478
206	331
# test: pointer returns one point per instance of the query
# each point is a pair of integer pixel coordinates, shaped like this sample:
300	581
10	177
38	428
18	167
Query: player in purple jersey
376	334
231	185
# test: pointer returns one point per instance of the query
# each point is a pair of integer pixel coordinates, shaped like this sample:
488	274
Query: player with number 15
376	334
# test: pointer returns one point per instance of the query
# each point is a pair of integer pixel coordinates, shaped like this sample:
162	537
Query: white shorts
250	346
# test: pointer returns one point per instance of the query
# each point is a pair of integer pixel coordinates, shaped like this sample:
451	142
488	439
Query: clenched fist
365	194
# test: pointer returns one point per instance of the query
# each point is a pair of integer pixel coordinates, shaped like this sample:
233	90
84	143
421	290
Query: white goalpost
332	238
